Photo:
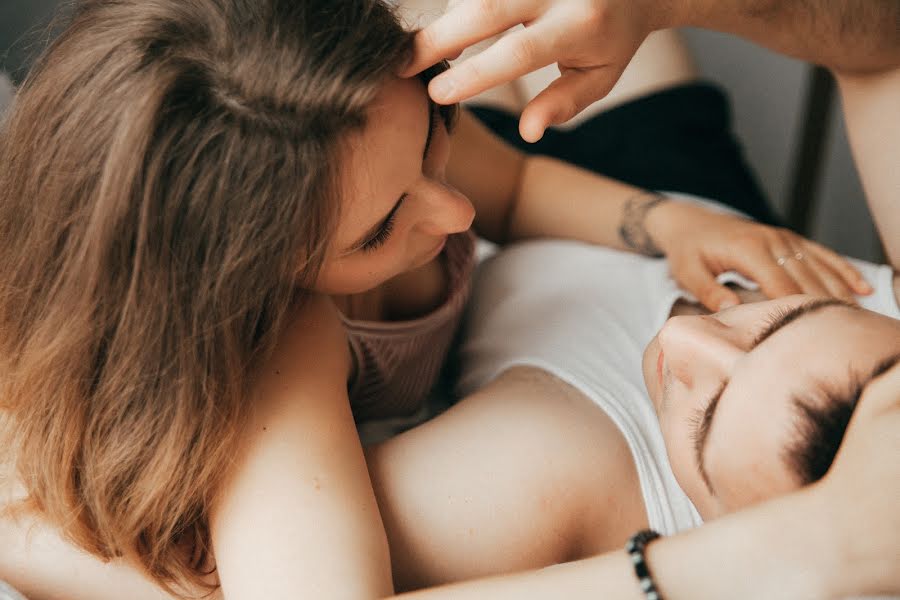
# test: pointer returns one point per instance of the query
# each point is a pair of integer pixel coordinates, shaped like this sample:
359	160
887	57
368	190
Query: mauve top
397	363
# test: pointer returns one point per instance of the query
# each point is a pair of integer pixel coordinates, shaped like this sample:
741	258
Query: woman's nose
697	348
445	210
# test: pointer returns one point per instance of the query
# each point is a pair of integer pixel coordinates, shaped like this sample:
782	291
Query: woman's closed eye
384	233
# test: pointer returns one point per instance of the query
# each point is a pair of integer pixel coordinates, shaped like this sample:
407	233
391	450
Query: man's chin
648	369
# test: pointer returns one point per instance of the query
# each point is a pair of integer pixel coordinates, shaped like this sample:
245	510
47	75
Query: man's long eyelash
694	422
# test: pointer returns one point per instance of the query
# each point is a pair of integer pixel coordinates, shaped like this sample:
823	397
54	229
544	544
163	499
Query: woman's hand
592	41
701	244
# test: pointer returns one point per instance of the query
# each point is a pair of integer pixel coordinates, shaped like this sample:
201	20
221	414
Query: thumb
696	278
568	95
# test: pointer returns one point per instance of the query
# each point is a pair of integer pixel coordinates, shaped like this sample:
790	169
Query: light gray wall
768	92
6	91
23	31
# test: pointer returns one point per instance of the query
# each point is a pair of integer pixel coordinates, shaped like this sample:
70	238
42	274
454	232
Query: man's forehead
756	415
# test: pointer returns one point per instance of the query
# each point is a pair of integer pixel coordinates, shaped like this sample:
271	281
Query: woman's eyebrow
432	107
373	231
807	308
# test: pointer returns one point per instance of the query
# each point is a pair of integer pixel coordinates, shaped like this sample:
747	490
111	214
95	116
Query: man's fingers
507	59
842	267
830	278
763	268
575	90
697	279
806	275
464	24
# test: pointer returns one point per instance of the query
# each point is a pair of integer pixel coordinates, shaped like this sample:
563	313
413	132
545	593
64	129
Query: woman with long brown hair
228	236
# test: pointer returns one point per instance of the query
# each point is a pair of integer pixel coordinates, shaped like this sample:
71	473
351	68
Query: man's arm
873	122
593	40
851	36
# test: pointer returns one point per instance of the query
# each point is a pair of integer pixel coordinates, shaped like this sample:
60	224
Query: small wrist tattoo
632	230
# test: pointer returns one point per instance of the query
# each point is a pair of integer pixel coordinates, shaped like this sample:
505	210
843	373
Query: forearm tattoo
632	230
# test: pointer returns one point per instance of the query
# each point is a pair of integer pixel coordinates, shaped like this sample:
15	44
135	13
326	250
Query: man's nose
700	347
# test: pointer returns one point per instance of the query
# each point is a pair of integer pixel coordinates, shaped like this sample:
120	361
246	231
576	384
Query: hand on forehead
592	41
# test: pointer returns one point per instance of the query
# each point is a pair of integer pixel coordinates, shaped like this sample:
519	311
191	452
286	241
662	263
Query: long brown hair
167	188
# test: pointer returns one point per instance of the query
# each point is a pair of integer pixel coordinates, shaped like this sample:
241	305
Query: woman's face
397	209
723	387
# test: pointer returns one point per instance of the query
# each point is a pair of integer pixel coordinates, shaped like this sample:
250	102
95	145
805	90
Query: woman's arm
765	552
517	196
834	539
298	516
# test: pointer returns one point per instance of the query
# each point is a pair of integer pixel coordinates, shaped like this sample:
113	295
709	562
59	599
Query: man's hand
861	491
700	244
592	41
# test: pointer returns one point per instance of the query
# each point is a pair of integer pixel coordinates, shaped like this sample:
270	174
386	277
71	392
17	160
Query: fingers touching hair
822	420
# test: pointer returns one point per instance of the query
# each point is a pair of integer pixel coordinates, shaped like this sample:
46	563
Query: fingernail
442	89
531	133
727	304
533	138
864	287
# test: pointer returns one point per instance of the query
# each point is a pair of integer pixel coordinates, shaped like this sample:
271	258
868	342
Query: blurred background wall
22	31
768	92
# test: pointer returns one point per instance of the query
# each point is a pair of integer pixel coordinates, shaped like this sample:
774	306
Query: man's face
723	387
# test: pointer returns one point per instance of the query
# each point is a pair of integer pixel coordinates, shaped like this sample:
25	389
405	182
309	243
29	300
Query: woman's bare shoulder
309	367
313	344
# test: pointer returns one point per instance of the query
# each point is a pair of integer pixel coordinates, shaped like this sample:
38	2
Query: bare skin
346	534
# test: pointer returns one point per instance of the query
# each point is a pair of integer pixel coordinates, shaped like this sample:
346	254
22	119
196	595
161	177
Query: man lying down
720	410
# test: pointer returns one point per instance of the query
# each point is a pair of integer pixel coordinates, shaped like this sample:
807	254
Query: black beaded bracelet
635	549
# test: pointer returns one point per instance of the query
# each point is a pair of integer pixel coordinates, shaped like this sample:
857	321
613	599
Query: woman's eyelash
436	118
434	123
384	233
381	237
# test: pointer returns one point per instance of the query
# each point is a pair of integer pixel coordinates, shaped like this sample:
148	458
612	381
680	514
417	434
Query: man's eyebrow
785	318
795	313
373	231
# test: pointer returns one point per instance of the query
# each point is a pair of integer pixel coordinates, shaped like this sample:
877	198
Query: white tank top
585	314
